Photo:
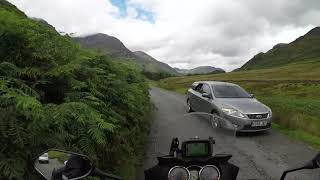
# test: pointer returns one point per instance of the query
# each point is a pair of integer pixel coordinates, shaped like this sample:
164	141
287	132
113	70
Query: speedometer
178	173
209	172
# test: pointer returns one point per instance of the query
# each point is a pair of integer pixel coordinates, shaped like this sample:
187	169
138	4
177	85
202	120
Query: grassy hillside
54	94
292	92
295	72
304	48
154	65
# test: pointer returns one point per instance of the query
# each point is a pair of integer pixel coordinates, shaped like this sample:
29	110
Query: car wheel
189	108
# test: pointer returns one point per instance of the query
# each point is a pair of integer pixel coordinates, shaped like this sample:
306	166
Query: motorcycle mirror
313	164
316	161
59	164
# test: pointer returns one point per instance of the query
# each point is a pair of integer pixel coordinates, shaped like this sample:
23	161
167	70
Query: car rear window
229	91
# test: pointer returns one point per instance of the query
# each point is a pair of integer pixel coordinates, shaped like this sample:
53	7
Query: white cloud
186	33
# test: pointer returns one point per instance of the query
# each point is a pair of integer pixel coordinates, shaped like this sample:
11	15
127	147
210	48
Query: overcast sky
184	33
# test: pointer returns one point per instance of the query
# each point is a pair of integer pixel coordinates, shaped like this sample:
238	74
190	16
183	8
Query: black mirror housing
316	161
313	164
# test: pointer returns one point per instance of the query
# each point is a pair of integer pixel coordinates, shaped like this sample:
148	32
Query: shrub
55	94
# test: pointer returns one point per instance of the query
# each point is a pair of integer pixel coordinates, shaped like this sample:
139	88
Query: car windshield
229	91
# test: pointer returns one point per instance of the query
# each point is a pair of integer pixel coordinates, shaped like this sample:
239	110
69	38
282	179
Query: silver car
231	102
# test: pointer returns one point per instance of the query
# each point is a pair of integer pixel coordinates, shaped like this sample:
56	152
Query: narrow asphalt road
259	155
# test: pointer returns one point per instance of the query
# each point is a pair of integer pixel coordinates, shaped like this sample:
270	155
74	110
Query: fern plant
54	94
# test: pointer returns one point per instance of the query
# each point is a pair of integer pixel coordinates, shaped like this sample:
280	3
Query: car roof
216	83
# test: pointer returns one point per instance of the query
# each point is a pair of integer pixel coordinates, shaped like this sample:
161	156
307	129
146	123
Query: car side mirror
313	164
252	95
206	95
59	164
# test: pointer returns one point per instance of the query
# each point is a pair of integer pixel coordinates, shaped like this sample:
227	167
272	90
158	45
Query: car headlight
233	112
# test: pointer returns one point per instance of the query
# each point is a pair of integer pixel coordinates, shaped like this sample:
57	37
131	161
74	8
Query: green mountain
105	44
200	70
111	45
55	94
305	48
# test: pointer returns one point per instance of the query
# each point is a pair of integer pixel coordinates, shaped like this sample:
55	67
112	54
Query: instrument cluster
194	172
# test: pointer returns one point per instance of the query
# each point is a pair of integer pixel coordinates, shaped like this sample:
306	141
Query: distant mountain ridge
200	70
153	62
112	45
105	44
304	48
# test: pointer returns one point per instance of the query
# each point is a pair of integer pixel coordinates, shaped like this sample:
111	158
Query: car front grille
257	116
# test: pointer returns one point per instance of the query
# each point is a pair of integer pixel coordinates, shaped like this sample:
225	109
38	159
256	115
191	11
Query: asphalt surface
259	155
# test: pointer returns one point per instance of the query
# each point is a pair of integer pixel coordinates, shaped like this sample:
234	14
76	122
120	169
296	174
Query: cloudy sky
184	33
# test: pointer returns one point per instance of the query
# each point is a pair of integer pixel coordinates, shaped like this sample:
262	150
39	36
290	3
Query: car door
205	102
196	97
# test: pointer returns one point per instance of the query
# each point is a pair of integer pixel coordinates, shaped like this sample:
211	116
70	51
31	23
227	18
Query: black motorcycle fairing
157	172
228	171
160	172
183	161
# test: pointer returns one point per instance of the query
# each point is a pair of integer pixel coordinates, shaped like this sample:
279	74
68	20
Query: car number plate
259	123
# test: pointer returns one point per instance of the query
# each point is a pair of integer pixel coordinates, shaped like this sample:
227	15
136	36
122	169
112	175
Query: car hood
244	105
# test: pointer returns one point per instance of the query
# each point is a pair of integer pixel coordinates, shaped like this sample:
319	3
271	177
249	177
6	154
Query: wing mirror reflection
252	95
58	164
313	164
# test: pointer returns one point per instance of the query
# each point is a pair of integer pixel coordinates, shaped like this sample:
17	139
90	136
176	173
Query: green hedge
55	94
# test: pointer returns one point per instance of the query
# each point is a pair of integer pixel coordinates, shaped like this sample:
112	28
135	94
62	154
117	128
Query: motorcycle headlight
233	112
